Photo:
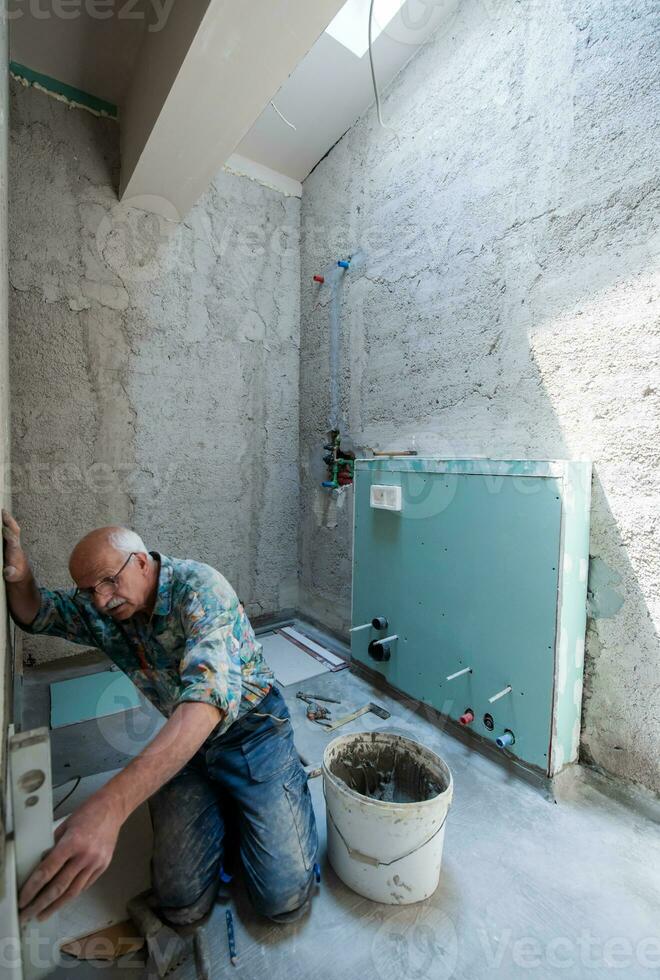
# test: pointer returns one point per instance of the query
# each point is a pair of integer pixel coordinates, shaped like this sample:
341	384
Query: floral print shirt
198	645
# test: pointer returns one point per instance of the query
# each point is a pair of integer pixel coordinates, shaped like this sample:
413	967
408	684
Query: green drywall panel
92	696
468	575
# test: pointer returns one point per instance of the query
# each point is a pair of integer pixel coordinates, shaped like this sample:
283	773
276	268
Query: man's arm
85	842
41	611
22	592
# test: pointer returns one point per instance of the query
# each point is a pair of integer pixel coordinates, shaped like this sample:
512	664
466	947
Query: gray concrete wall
507	304
6	666
154	366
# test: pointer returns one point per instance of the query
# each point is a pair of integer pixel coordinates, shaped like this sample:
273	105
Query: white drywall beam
199	85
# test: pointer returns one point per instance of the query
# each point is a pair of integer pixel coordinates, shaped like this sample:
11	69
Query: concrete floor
533	884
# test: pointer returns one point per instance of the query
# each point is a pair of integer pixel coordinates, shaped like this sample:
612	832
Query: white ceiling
331	88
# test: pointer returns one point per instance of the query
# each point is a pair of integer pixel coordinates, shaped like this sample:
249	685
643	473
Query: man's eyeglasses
107	586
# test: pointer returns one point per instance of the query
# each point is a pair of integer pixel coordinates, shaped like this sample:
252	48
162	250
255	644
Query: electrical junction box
482	579
385	497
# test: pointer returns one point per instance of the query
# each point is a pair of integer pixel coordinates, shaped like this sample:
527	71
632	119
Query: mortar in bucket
387	800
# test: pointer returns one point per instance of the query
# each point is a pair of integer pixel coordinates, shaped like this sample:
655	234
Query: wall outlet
386	498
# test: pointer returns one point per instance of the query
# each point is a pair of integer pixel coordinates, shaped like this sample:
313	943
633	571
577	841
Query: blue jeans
254	771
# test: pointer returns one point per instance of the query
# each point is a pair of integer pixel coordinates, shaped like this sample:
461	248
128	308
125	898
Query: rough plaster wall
507	304
154	366
5	655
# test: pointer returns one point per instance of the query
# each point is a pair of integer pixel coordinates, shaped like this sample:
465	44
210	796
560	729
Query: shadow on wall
516	404
621	694
508	308
592	355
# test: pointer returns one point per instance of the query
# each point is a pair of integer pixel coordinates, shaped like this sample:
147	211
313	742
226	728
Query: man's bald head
104	554
112	543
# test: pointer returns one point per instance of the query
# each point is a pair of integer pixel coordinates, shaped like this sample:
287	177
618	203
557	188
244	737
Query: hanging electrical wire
283	117
70	793
371	64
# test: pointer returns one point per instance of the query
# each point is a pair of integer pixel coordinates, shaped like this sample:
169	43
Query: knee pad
286	907
285	917
187	915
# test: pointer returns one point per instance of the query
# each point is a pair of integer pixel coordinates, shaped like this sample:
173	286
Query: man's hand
16	565
84	845
86	842
22	592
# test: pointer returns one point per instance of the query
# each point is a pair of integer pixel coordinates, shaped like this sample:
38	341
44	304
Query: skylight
351	25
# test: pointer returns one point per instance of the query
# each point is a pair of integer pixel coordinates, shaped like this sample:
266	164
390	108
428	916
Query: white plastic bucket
387	800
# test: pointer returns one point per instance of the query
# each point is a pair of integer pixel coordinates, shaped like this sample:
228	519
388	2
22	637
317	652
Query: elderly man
178	631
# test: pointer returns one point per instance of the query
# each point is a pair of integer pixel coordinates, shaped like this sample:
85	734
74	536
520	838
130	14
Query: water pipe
377	623
334	276
380	650
340	463
467	717
507	738
500	694
335	348
460	673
